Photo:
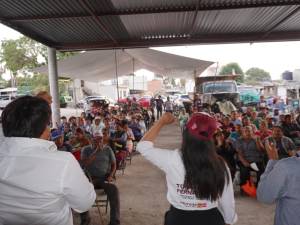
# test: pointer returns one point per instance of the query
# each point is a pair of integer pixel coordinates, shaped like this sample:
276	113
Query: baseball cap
55	134
202	126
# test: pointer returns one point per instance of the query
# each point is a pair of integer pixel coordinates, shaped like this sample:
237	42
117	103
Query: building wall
296	75
138	82
111	91
154	86
270	91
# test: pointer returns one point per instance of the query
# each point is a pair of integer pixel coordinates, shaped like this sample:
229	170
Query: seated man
119	138
251	154
100	163
58	137
39	185
291	130
284	145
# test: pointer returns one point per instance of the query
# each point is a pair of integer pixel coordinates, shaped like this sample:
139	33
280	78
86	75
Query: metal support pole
132	73
116	64
53	82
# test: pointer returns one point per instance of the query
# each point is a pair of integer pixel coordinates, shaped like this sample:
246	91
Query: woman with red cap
199	184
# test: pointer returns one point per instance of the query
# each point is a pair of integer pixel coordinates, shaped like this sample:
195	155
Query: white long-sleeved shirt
39	185
179	197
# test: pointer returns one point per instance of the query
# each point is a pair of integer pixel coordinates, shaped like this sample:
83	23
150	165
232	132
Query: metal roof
104	24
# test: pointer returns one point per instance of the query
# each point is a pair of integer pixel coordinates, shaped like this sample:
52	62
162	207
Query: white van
5	100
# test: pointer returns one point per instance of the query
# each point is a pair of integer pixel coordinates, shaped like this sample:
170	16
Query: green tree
33	84
233	68
255	74
20	55
59	55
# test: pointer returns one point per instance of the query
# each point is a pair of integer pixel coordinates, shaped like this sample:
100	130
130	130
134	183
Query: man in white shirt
97	127
38	184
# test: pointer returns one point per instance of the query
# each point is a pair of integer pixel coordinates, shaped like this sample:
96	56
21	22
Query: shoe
86	221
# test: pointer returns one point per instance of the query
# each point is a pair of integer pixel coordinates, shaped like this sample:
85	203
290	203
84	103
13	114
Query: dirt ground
143	192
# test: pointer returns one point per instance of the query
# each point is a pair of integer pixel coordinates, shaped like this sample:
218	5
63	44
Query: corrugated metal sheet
85	23
157	24
68	30
15	8
291	24
240	20
138	4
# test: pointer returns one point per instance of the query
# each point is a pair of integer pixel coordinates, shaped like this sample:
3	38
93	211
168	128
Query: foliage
255	75
20	55
39	82
59	55
233	67
33	84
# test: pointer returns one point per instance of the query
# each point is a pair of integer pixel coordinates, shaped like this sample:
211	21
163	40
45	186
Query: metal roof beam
98	21
28	33
296	10
203	39
167	9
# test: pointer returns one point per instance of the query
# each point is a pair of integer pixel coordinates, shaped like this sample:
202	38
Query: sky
273	57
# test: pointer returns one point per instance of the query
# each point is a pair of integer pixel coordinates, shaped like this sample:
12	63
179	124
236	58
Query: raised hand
167	118
271	151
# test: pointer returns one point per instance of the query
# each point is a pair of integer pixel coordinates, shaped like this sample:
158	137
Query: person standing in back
38	184
159	107
199	184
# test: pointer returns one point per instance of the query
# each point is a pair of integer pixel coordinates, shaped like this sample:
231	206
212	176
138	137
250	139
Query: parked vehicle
249	95
5	100
65	100
218	88
93	105
181	99
145	101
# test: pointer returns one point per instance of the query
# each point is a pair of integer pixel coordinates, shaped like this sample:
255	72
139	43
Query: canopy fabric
101	65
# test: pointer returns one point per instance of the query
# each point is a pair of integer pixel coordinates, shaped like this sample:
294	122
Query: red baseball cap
202	126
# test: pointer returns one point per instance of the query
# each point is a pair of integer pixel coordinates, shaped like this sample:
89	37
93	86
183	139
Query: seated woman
183	118
130	136
226	150
263	131
78	142
136	128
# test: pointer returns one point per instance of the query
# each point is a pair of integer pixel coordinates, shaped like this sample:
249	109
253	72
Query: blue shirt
280	183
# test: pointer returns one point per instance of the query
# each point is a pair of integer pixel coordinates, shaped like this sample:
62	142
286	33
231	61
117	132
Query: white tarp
100	65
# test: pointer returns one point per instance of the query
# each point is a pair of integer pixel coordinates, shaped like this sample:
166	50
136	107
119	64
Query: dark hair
206	172
277	126
26	117
79	130
124	122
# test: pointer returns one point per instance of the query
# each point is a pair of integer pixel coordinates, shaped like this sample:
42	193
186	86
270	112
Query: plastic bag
249	188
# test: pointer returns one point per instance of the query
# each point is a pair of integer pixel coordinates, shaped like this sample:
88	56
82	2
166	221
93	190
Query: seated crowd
243	137
101	143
